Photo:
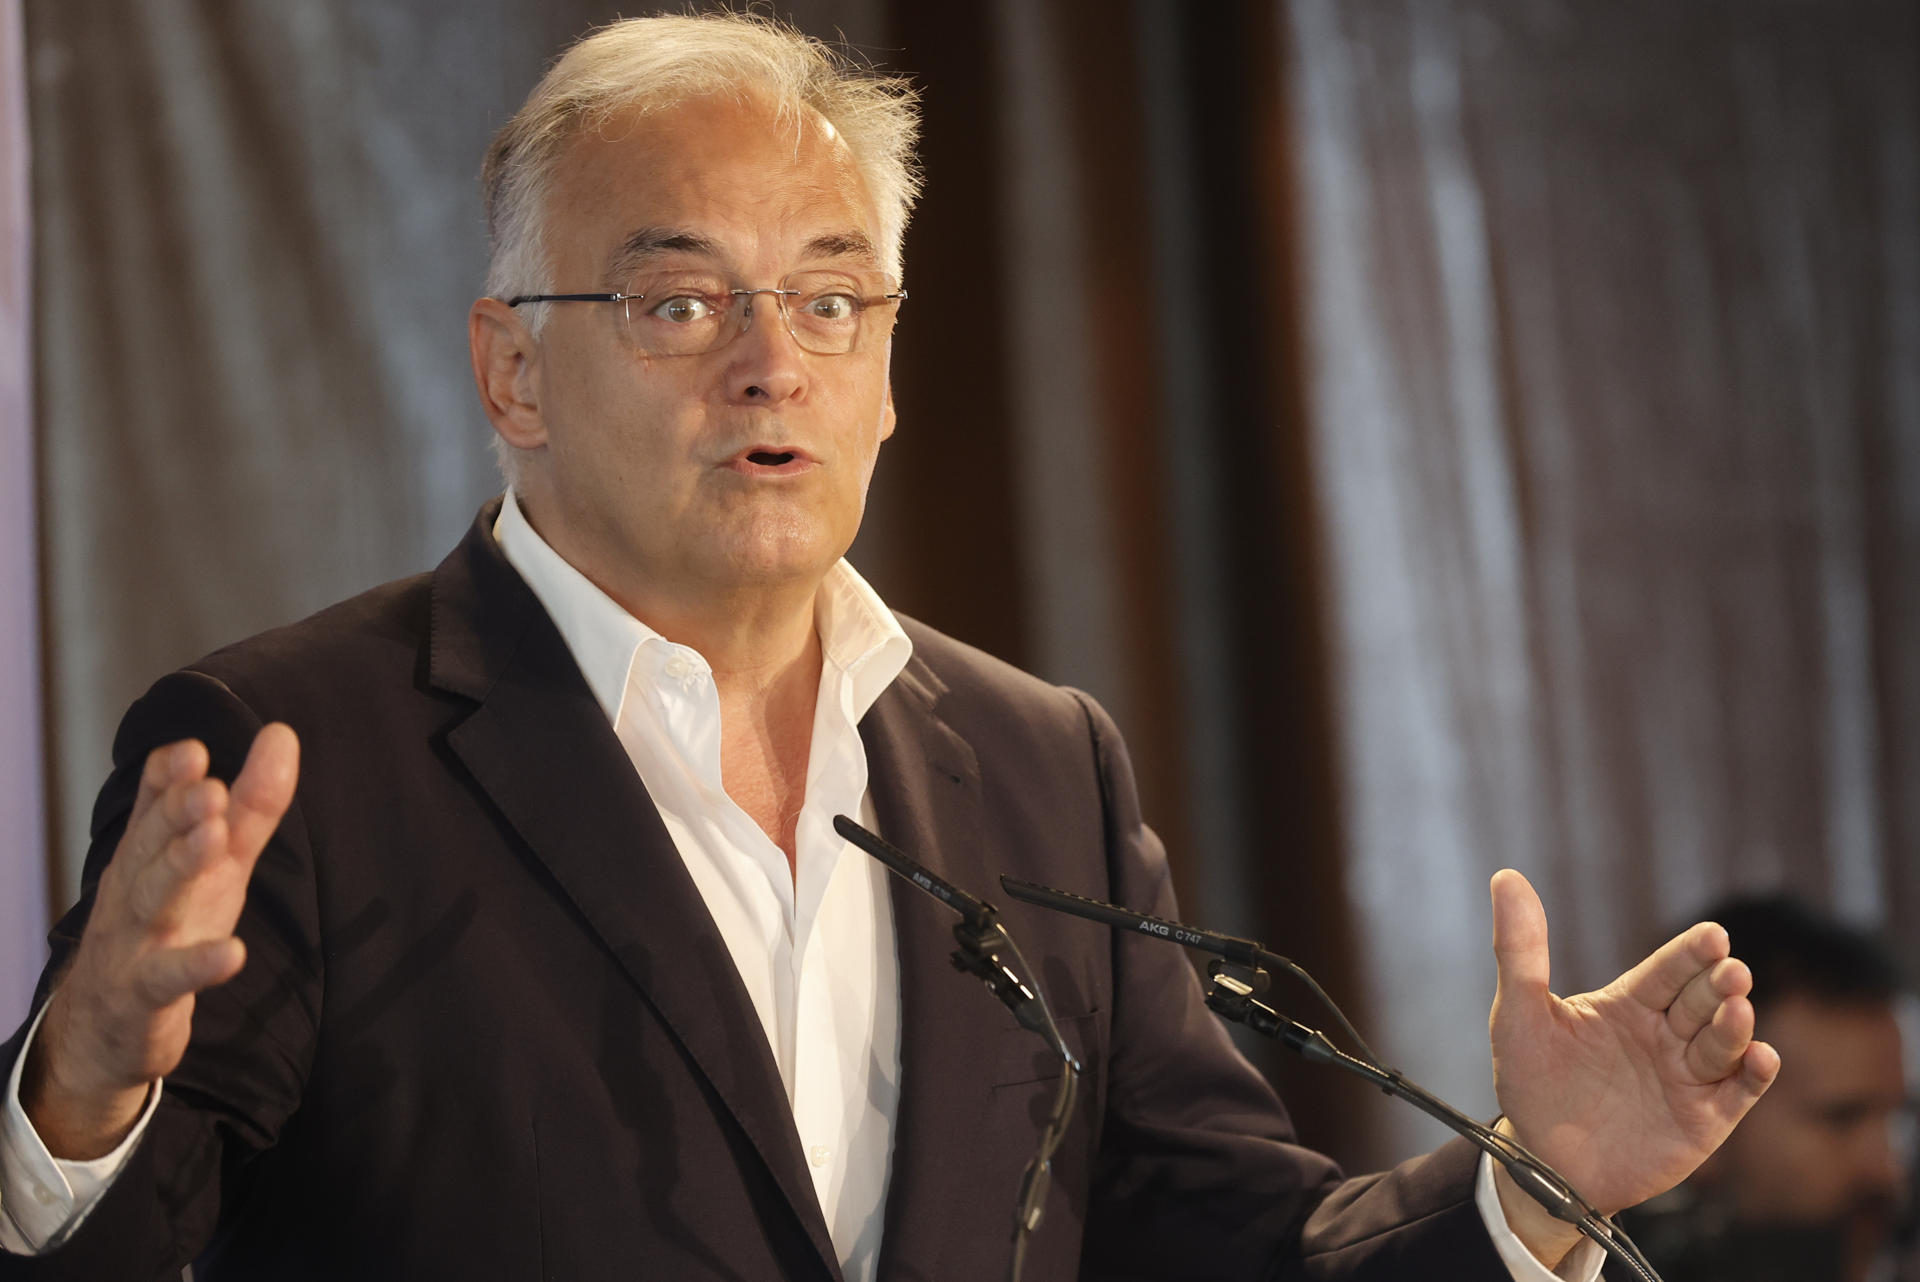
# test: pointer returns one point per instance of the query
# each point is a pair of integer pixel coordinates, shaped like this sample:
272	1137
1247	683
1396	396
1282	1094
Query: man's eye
683	309
833	307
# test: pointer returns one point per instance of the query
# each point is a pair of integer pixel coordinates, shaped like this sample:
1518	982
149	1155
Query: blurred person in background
1817	1183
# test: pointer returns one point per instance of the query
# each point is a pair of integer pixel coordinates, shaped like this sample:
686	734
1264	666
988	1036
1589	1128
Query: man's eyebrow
651	242
841	244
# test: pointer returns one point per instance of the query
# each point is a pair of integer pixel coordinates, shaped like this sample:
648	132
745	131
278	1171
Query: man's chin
1866	1230
777	556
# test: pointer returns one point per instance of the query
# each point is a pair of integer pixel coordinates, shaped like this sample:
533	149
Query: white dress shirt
814	944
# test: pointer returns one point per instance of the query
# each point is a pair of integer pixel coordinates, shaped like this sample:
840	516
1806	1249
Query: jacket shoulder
373	631
969	684
353	654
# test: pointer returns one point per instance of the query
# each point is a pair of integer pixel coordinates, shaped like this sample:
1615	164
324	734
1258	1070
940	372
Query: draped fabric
1613	319
23	870
1445	435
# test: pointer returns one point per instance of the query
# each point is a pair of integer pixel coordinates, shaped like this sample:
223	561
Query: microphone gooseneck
981	938
1245	952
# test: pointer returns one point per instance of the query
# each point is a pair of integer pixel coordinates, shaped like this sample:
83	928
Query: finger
165	976
1519	935
197	825
158	893
1759	1068
164	807
264	788
1738	1092
1728	977
184	761
1719	1048
1659	979
156	857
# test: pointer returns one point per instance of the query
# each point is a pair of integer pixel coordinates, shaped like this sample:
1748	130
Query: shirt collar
859	637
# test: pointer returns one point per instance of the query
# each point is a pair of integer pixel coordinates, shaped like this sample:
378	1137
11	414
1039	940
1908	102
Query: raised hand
161	930
1625	1090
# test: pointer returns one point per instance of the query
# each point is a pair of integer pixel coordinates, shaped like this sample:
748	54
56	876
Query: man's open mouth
769	458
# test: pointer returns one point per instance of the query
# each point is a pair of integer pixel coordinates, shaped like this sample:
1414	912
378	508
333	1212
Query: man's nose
764	363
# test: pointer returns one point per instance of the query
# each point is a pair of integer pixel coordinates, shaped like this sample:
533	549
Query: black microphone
1246	954
1229	946
981	937
976	914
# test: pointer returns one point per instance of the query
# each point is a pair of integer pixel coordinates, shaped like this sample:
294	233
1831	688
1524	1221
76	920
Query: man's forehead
1828	1047
716	178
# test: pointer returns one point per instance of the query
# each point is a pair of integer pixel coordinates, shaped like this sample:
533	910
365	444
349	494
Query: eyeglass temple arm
898	296
569	298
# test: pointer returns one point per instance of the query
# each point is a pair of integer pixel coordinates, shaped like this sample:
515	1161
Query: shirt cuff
43	1198
1581	1265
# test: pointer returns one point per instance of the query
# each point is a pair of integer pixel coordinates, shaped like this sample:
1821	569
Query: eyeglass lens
828	311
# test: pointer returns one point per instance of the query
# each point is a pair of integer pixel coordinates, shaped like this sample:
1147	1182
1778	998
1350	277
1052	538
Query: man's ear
886	412
505	356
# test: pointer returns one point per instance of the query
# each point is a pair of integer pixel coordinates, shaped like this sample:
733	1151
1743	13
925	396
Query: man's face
1820	1147
658	472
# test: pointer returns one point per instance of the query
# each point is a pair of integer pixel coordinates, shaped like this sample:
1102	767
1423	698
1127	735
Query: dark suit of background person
488	1030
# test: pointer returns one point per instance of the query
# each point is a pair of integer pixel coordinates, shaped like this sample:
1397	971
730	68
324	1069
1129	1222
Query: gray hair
651	64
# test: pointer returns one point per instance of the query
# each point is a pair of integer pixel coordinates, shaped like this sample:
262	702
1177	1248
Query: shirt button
819	1155
44	1194
677	667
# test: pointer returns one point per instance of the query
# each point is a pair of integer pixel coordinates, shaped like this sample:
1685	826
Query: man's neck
766	673
751	640
763	646
766	742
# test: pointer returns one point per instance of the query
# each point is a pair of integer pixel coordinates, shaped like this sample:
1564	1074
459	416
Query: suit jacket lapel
925	784
541	748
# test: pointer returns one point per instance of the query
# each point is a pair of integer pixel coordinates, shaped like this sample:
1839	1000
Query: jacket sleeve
245	1068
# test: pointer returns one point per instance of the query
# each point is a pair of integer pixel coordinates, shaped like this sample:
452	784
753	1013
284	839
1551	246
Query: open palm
1627	1089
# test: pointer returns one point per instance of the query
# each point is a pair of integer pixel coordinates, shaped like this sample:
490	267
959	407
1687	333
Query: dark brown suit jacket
487	1028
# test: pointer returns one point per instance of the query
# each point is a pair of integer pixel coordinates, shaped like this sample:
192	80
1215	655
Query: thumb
264	788
1519	936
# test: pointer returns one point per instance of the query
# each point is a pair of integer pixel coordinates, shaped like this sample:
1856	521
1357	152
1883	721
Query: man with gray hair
552	963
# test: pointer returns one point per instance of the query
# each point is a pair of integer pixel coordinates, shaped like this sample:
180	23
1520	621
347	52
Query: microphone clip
1235	992
981	939
1238	981
1235	995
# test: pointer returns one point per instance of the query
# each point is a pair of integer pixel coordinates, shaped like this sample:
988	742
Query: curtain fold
23	870
1611	357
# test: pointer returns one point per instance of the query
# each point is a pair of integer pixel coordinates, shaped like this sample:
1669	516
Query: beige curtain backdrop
23	870
1613	367
1446	434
